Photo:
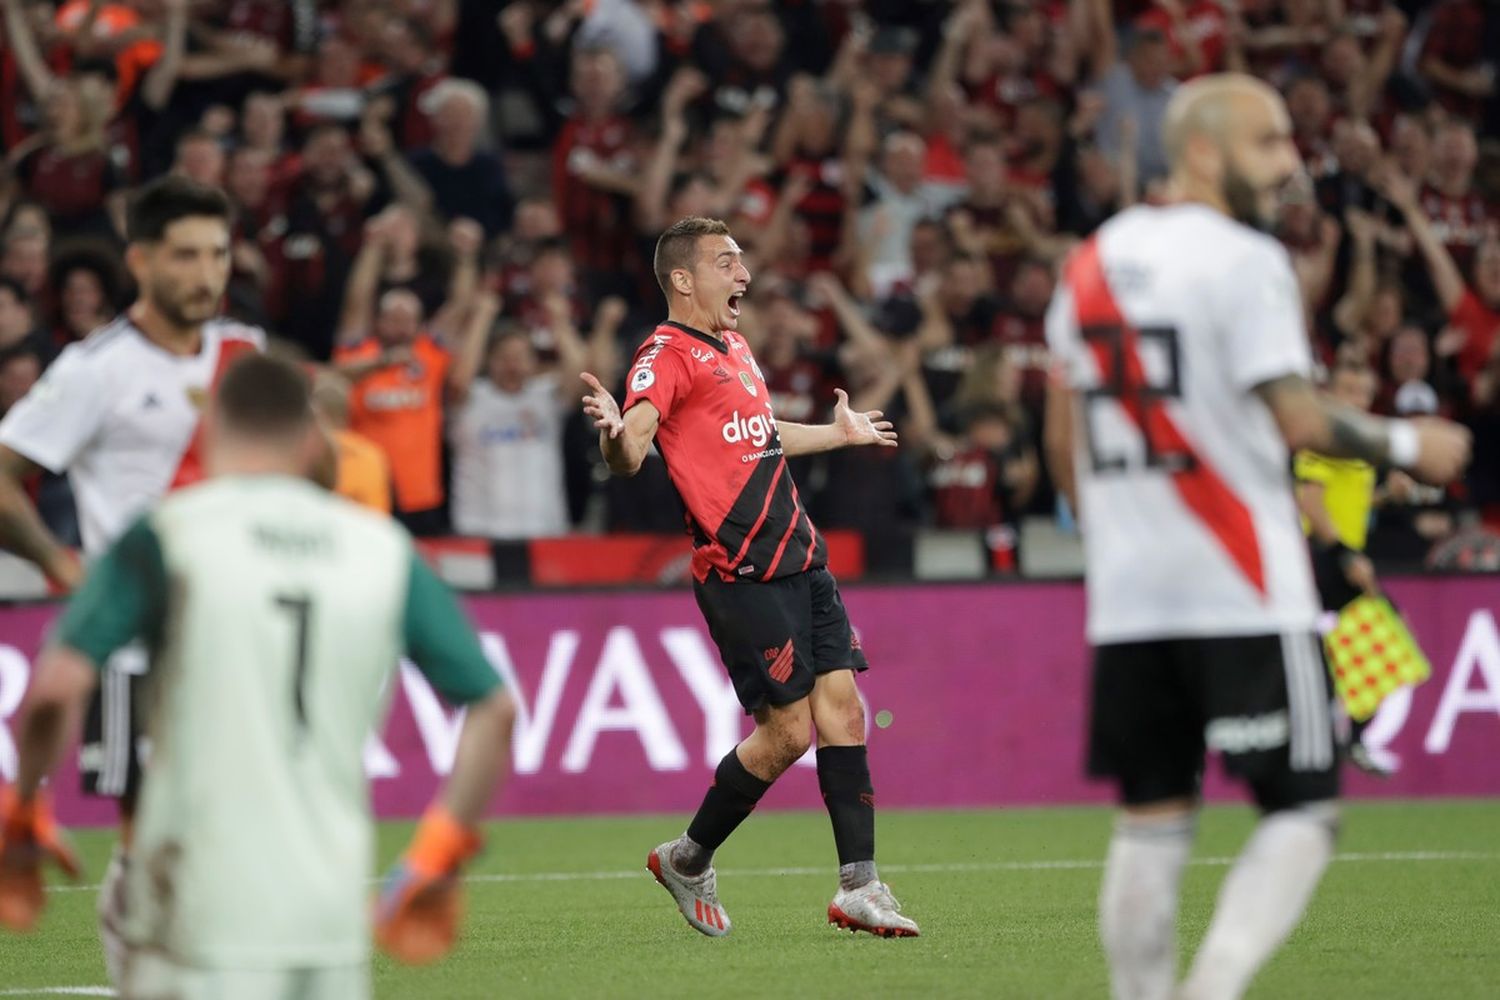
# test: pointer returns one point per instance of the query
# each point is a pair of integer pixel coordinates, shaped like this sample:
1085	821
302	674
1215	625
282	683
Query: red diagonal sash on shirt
190	467
1202	489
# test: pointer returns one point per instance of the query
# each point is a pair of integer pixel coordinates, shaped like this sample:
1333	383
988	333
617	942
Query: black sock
730	799
844	777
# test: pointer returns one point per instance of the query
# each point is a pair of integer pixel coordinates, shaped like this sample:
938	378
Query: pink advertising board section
625	706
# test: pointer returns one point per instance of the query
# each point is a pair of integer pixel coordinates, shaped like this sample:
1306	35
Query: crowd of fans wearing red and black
905	178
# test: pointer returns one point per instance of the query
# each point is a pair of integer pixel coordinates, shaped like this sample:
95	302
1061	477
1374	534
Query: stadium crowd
453	204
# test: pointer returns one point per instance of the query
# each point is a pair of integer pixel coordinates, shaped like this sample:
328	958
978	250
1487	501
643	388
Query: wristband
1404	445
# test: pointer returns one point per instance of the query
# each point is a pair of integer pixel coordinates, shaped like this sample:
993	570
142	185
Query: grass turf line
1377	930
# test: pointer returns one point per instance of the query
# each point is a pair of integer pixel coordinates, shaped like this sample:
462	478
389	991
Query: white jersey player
276	613
1182	380
119	413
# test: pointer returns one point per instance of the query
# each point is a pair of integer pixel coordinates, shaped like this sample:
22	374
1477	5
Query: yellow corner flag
1372	653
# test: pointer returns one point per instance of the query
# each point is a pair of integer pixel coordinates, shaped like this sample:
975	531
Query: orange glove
417	914
29	837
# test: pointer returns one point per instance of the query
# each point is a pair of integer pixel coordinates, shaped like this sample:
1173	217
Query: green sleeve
123	597
441	642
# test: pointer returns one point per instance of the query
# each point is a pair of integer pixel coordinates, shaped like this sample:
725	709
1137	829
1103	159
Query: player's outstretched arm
850	428
624	439
1435	450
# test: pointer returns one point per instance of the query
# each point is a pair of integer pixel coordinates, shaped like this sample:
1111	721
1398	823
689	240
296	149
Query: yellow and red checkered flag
1372	654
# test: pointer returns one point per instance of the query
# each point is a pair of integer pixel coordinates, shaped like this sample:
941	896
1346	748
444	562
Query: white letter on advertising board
439	732
1480	648
378	760
533	723
14	671
1386	726
723	717
621	667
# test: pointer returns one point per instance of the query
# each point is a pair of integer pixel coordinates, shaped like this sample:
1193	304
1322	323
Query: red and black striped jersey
718	437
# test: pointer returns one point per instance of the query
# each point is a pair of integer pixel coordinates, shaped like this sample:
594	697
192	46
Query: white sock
110	911
1262	899
1138	903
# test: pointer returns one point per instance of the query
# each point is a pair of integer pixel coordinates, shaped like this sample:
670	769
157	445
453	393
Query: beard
1244	201
183	311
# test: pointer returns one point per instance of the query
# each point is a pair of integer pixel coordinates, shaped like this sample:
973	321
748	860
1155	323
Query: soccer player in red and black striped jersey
760	571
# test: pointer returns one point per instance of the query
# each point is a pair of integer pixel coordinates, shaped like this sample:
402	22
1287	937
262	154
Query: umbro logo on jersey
151	402
722	375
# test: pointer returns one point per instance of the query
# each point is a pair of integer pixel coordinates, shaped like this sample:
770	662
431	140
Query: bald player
1182	384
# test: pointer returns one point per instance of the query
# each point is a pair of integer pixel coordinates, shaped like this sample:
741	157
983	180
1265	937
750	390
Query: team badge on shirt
749	384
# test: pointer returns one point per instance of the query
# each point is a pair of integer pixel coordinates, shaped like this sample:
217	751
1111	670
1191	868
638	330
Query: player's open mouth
734	303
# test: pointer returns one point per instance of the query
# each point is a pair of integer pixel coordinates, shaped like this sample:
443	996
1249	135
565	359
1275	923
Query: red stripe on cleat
841	919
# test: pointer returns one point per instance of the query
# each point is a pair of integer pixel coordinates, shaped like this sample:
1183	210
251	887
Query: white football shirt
1164	324
507	461
120	416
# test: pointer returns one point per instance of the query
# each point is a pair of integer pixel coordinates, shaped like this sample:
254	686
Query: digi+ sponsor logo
754	430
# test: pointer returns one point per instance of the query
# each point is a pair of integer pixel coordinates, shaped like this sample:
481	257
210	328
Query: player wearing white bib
118	412
276	613
1182	381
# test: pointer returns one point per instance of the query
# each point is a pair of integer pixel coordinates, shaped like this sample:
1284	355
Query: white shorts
152	977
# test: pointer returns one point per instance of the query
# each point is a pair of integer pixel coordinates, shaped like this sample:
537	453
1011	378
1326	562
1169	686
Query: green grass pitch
565	908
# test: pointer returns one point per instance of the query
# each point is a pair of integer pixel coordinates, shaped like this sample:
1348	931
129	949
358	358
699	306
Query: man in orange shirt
364	474
115	30
400	375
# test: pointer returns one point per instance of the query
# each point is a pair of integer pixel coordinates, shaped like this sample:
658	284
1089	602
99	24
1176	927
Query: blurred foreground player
119	413
1183	381
275	613
760	570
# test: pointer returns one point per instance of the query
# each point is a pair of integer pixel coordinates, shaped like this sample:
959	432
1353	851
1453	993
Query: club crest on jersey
197	396
749	384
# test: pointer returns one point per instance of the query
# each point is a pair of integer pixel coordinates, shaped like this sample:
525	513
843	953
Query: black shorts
1263	702
776	637
110	759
